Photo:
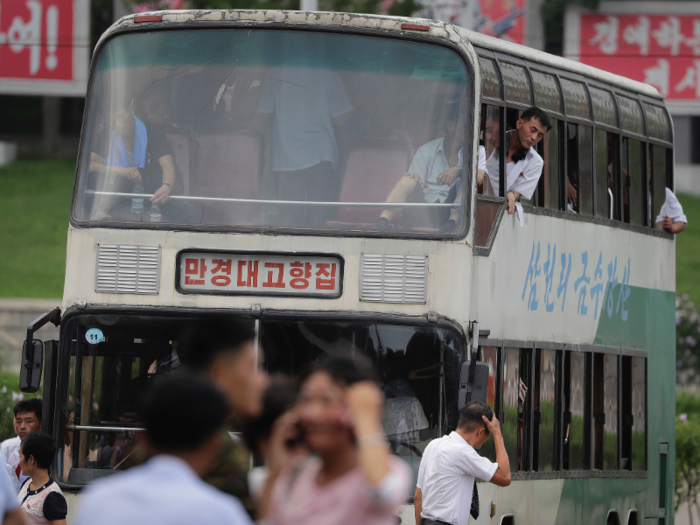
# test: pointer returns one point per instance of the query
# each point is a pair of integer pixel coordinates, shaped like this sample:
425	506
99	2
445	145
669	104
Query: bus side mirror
32	366
480	387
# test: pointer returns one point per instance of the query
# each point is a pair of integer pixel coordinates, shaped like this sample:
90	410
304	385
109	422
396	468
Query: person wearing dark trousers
446	492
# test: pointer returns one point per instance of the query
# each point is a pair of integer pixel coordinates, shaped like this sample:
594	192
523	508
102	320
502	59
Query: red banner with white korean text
44	46
658	49
501	18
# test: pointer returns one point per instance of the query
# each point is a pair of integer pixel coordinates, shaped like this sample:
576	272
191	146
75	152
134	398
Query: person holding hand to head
352	476
446	490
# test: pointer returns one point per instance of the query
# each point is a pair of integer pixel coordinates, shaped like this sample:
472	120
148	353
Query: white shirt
304	101
8	492
164	491
10	448
672	208
428	163
446	478
482	158
522	175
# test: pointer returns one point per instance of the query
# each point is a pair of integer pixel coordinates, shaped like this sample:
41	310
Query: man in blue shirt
183	417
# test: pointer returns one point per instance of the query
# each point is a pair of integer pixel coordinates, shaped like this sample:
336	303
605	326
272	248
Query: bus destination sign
245	273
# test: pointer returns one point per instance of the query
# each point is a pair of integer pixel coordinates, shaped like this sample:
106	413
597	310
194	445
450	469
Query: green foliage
34	207
687	450
687	347
688	250
9	396
553	19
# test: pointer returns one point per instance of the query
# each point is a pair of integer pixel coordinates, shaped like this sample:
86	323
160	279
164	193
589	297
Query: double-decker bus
240	161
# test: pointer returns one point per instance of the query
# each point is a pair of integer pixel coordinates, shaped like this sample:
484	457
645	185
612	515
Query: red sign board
260	274
40	44
661	50
501	18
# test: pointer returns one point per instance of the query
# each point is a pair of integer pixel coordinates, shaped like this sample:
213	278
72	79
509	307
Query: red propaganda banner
39	42
501	18
661	50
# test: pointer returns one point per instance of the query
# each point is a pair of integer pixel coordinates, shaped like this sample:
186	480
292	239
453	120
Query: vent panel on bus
127	268
394	278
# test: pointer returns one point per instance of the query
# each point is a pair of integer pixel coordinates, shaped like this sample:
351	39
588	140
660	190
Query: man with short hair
222	349
27	419
183	417
523	163
446	487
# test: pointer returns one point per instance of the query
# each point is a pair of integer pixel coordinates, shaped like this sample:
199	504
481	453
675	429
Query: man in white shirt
308	100
183	417
435	172
671	217
27	419
523	163
450	465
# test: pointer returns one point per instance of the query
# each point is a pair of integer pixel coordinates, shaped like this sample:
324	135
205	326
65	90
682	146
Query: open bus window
633	407
632	182
605	407
606	146
658	180
545	414
579	173
420	393
262	128
516	403
489	355
575	425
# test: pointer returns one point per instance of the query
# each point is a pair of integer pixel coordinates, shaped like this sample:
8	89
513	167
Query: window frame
223	25
564	118
533	346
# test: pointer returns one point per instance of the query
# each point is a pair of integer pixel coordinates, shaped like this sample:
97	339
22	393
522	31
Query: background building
653	42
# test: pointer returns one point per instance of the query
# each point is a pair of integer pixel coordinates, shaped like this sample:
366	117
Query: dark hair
181	412
342	370
537	113
34	405
40	446
207	338
470	415
279	397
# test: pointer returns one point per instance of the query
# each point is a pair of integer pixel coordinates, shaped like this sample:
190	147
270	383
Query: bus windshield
417	367
253	129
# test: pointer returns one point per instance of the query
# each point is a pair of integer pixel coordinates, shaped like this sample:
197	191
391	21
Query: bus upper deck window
550	186
546	91
286	129
516	82
632	182
490	81
576	98
658	180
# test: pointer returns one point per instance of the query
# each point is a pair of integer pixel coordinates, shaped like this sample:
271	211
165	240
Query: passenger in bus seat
352	477
222	349
671	217
434	176
306	101
184	417
138	153
523	163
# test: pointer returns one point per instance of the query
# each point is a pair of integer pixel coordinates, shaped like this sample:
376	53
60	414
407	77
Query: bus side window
658	182
489	355
601	175
489	146
548	188
516	403
575	407
572	168
633	407
545	411
605	379
632	190
585	170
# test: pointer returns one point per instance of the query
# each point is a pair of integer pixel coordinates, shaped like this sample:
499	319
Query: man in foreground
183	417
446	489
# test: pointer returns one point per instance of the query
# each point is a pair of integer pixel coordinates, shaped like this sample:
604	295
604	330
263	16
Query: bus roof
436	29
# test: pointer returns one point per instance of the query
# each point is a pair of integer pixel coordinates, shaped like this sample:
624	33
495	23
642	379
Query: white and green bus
271	140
